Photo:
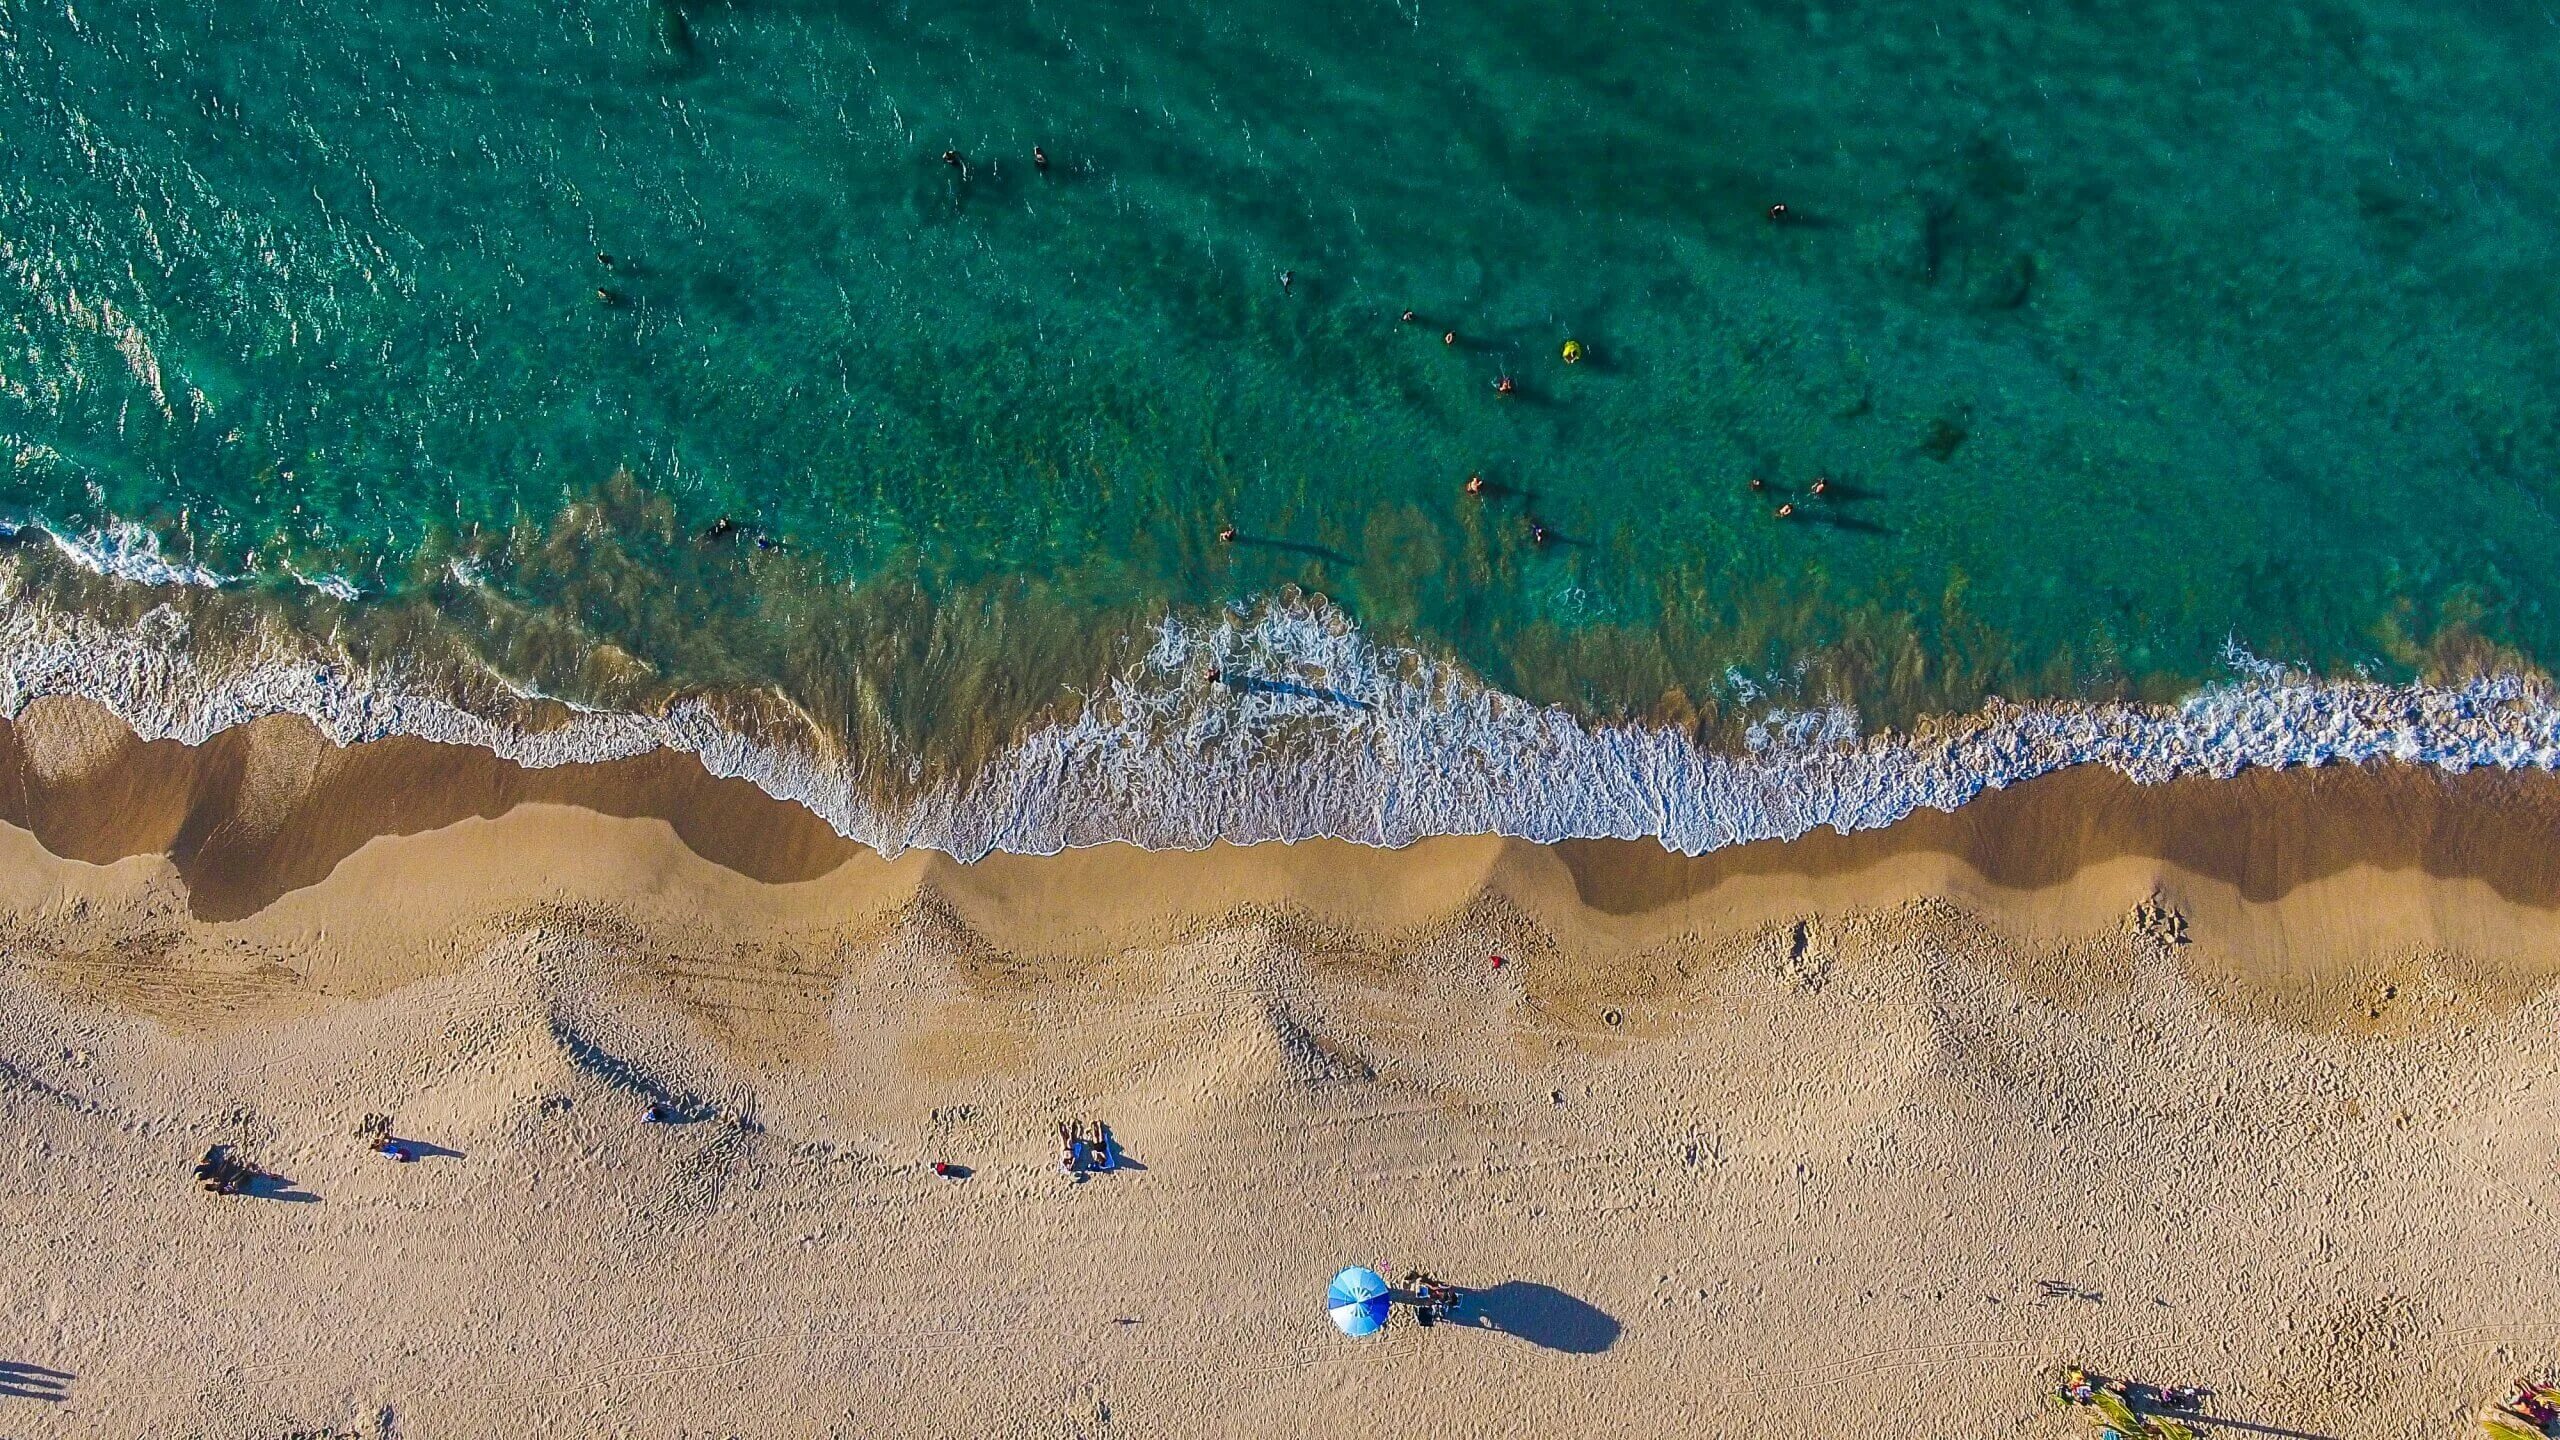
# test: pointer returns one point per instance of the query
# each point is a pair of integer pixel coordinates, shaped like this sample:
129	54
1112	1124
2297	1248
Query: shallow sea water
2118	333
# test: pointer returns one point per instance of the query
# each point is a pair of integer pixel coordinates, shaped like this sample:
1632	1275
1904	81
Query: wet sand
2259	1072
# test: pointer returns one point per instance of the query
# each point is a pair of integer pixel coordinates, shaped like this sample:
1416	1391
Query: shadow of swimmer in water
1234	681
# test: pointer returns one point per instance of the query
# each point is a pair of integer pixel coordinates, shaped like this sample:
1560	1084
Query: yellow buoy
1573	352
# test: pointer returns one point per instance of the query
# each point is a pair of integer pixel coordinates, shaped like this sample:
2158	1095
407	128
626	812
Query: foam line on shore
1282	721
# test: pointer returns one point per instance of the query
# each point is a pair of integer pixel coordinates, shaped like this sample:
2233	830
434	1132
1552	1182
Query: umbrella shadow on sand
1540	1314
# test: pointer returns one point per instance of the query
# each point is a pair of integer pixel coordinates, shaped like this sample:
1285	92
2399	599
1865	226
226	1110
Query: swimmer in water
1787	510
1777	214
1759	484
604	260
1537	532
1039	158
1820	485
952	159
1226	534
611	299
1288	278
1408	317
1448	337
1505	385
1475	484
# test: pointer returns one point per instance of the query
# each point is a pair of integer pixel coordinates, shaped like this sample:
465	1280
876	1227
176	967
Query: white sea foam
134	552
124	549
337	587
1311	729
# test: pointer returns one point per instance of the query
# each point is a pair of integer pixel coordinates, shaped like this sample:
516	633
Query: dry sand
1779	1141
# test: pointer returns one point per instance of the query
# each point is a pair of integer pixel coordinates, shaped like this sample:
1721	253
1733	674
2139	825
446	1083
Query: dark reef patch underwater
573	379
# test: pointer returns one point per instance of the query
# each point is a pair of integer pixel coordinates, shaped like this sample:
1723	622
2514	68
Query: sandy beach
2243	1084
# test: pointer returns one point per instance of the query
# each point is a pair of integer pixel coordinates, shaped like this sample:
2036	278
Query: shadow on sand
267	1185
1540	1314
20	1380
2212	1423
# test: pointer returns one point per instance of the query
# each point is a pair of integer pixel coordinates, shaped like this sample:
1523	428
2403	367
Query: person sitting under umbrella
1433	1298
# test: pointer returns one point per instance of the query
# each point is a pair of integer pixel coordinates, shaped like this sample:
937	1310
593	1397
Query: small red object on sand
1497	962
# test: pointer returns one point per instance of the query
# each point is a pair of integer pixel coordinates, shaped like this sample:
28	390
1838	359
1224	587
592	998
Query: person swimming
1226	534
1505	385
1759	484
1288	280
1787	511
1039	158
952	159
1777	214
1448	337
1820	485
1475	484
1408	317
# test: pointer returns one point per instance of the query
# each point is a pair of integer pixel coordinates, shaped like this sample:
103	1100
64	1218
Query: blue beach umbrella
1357	1301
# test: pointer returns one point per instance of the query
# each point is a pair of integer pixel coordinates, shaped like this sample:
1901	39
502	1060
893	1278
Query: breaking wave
128	551
123	550
1282	721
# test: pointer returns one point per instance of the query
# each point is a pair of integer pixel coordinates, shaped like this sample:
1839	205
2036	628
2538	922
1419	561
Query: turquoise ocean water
2117	334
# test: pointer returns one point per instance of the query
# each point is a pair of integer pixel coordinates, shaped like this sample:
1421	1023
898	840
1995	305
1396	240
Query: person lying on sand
2534	1403
222	1173
1070	1150
1099	1148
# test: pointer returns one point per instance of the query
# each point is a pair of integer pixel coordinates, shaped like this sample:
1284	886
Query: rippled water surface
2115	333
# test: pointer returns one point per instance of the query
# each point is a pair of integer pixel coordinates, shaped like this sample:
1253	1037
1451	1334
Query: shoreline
2360	866
1786	1136
1282	721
